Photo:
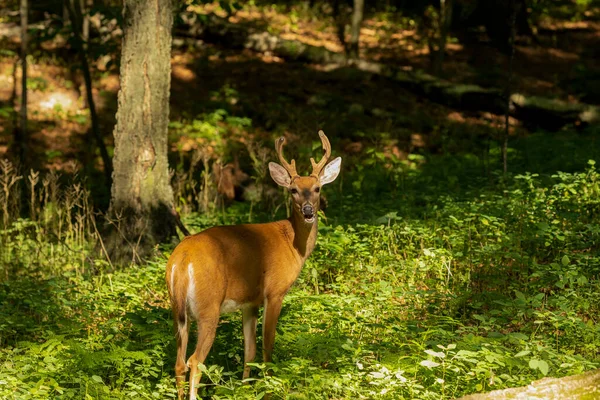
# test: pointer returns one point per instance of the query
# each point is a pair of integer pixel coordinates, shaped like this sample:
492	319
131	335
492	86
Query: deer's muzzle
308	212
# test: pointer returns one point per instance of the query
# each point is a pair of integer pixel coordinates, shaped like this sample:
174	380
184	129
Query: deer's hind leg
182	330
249	318
207	329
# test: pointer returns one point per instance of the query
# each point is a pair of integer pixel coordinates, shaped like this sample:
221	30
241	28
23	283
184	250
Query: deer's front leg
249	317
270	317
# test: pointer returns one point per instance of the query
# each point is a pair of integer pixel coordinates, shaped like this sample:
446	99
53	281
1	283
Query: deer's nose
308	210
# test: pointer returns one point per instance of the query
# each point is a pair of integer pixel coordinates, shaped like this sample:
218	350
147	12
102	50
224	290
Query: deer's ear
331	171
279	174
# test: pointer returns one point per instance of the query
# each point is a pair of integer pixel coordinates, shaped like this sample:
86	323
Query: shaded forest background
459	252
554	60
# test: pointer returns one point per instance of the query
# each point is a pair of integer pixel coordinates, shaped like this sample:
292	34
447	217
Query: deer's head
305	190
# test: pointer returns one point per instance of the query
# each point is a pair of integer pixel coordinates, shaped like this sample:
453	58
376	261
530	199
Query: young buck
227	268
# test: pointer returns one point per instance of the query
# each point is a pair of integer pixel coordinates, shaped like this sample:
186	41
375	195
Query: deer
243	267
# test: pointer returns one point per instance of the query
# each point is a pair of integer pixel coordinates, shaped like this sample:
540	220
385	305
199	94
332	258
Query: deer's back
235	263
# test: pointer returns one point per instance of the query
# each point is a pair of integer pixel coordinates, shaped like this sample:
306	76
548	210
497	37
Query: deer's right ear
279	174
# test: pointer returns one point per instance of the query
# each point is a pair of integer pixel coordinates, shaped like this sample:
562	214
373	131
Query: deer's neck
305	235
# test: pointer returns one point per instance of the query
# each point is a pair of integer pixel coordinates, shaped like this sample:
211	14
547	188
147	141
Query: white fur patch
191	292
192	394
229	305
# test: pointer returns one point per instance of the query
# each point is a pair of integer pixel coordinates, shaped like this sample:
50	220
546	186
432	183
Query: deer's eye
294	191
317	190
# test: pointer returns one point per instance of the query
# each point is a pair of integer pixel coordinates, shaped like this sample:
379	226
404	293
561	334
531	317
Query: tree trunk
21	132
85	6
357	17
445	21
76	16
508	93
496	16
140	213
340	23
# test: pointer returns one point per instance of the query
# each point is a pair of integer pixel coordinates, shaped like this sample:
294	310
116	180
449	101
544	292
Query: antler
318	168
291	167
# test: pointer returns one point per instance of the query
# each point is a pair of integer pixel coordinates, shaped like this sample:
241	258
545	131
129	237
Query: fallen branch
575	387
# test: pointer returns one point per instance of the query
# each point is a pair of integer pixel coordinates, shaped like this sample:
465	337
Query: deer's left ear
331	171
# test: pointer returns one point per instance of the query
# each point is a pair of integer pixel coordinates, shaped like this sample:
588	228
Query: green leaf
582	280
438	354
429	364
96	378
519	295
539	364
522	353
543	367
519	336
565	260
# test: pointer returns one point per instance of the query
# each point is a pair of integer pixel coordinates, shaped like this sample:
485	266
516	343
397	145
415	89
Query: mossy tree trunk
140	213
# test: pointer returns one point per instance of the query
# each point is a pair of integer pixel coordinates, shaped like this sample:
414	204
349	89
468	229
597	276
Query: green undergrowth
420	293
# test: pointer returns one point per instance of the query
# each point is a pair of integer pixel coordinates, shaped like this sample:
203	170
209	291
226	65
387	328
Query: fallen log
533	111
552	113
576	387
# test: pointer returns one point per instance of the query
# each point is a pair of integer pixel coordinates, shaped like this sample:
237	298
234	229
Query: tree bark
140	213
357	17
